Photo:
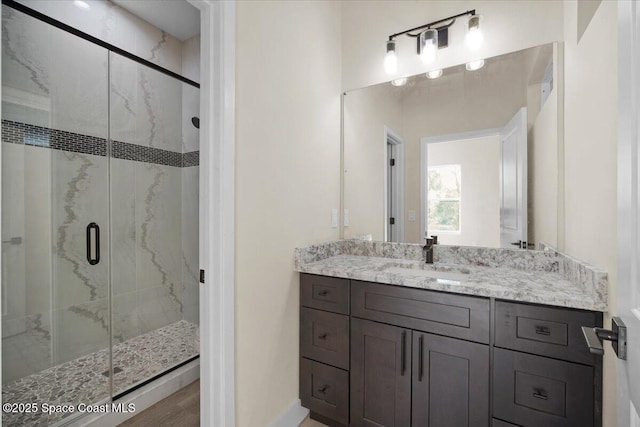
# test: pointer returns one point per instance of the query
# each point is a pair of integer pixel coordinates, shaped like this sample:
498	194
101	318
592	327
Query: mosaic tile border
191	158
38	136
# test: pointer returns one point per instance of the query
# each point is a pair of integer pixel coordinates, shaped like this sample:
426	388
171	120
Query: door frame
424	142
217	210
398	185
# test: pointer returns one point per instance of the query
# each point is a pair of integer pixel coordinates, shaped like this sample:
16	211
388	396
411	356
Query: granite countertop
526	276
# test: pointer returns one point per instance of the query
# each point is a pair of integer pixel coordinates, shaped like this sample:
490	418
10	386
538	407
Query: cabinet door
380	375
450	382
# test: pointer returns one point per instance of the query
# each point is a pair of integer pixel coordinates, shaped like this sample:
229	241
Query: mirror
470	156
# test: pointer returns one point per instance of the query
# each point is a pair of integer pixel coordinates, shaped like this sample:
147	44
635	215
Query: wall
366	113
591	156
508	26
287	180
479	160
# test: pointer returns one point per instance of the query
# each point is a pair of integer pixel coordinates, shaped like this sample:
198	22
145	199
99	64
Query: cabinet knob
323	293
542	330
323	336
323	389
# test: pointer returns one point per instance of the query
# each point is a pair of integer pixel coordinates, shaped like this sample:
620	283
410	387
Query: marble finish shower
93	137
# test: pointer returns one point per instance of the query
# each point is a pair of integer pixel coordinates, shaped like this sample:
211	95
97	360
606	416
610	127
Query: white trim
217	200
292	416
395	139
423	166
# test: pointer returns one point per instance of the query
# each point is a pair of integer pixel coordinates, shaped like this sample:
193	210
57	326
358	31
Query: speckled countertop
545	277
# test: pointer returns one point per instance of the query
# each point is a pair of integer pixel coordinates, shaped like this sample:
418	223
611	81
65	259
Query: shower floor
86	380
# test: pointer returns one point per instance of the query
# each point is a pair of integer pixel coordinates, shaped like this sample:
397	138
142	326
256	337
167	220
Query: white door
628	388
513	182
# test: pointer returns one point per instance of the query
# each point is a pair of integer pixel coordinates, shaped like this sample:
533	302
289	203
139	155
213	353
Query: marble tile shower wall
113	24
58	306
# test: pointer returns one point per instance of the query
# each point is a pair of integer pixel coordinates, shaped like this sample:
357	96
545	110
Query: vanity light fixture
434	74
399	82
474	65
433	36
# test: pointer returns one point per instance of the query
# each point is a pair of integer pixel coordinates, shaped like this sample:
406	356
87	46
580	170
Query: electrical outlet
412	215
345	218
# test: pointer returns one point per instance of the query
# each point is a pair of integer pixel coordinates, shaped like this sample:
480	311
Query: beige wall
543	173
287	181
479	160
508	26
366	113
590	155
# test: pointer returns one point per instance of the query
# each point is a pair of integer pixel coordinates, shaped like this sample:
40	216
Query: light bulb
82	4
399	82
428	45
474	65
474	37
391	60
434	74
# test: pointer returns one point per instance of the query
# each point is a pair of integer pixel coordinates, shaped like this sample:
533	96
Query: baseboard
292	417
143	397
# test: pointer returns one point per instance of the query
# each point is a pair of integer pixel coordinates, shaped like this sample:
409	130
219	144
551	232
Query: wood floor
181	409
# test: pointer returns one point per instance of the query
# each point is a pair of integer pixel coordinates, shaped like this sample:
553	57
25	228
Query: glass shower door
154	209
55	219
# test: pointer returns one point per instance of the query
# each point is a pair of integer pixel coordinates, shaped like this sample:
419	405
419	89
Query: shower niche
99	220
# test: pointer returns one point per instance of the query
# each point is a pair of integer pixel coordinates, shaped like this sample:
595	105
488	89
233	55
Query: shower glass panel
95	146
55	177
154	286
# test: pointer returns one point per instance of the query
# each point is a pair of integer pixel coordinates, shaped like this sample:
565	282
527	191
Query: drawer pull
543	330
540	394
403	350
323	389
420	357
323	293
323	336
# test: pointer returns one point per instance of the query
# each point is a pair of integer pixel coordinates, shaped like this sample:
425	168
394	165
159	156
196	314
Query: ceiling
176	17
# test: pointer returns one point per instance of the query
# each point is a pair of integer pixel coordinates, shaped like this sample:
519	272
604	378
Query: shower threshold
136	362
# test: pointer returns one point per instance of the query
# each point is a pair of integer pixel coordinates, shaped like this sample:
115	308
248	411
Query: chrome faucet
428	249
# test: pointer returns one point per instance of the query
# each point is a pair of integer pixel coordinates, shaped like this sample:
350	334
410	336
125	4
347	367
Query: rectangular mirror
472	156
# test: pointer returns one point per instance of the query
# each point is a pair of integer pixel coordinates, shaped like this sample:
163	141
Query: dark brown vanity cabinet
381	355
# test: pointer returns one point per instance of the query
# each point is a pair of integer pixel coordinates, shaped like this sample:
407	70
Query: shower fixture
196	122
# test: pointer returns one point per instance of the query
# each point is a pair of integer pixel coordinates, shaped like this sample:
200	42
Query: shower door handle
96	247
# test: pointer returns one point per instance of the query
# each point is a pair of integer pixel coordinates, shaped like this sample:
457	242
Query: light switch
412	215
334	218
345	218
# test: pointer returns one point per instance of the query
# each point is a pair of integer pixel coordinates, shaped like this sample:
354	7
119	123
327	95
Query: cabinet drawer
324	293
552	332
536	391
456	316
324	337
325	390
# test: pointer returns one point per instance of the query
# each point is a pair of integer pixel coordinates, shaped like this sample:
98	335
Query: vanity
482	337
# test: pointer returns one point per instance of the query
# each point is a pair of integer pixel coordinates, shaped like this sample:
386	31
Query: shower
100	192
